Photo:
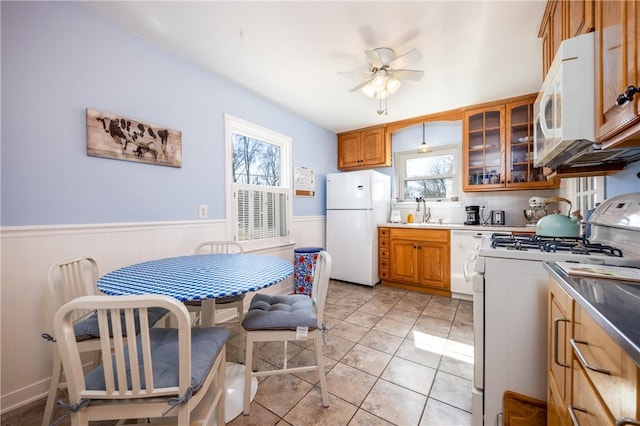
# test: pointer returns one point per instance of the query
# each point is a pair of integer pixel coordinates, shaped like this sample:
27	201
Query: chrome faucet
426	214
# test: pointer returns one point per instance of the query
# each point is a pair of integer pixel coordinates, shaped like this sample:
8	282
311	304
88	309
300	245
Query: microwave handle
543	123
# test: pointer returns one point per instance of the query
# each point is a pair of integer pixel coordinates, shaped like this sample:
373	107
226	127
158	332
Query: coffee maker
473	215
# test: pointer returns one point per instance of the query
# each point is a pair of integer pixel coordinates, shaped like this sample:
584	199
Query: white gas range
510	300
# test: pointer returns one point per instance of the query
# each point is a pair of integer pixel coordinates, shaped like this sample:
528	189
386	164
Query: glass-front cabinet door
483	149
497	148
520	171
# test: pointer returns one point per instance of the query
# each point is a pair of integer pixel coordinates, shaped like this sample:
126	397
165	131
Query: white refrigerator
356	203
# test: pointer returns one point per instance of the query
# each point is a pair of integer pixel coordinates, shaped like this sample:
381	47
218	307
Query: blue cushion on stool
278	312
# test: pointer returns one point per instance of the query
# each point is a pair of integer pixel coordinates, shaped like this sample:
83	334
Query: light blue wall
623	182
58	59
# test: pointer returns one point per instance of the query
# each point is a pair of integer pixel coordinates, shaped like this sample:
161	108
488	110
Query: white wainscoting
27	253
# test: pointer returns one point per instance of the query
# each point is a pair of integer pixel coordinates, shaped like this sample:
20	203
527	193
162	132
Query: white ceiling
291	52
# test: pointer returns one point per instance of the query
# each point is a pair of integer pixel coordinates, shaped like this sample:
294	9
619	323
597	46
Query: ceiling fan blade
354	73
374	58
361	85
410	57
407	74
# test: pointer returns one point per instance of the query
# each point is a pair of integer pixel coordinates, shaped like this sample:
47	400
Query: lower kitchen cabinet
419	259
591	379
560	311
383	253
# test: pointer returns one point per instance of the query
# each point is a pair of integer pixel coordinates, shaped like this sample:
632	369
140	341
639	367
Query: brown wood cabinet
383	253
364	149
563	19
419	259
560	318
617	67
591	379
497	148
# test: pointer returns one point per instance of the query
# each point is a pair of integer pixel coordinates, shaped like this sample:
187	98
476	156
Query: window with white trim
585	192
259	207
432	175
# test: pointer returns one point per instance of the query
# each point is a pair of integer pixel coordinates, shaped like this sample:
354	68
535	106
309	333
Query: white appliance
464	252
510	301
356	203
564	111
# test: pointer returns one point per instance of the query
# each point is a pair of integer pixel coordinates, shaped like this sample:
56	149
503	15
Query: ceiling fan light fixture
386	72
368	90
382	94
378	81
393	84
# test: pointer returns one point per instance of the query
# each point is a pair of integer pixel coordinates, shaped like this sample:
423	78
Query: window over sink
433	175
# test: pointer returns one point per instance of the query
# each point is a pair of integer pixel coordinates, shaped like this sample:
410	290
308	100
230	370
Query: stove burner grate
574	245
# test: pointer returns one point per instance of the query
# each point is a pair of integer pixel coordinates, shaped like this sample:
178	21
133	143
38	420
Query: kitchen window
433	175
259	182
584	192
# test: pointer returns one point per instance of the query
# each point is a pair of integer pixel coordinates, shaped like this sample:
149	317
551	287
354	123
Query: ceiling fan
386	72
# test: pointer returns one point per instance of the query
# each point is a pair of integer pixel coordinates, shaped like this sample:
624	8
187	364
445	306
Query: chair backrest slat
219	247
132	346
106	349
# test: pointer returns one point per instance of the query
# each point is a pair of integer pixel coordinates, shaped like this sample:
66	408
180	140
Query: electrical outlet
203	211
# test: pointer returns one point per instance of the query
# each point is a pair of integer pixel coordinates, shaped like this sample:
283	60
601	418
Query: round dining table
203	277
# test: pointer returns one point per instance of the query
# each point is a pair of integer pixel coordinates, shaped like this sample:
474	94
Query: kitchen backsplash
512	202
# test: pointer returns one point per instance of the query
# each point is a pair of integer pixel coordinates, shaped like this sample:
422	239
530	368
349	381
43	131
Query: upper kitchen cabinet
550	33
498	148
364	149
617	63
483	148
562	20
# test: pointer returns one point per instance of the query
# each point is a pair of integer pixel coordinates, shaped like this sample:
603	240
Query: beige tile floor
391	357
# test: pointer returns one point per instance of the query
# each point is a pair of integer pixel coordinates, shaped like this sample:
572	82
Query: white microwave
564	111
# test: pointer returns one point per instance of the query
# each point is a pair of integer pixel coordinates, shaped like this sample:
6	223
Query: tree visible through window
429	175
254	161
259	162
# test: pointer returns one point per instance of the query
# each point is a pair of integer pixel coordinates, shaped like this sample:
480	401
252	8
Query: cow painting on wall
122	138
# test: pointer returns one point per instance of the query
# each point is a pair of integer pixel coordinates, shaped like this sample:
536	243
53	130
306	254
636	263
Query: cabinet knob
627	96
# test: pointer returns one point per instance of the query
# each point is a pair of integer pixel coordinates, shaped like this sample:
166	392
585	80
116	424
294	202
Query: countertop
613	304
459	226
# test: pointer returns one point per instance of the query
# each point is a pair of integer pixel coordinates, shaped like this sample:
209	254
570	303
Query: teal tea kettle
558	225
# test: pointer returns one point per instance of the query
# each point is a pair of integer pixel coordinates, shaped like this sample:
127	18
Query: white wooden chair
231	302
67	280
288	317
172	374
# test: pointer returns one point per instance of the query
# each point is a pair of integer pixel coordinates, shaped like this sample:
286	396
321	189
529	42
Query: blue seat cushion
88	328
206	343
280	312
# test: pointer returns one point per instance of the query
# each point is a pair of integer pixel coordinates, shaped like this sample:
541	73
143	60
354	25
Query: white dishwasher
464	251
